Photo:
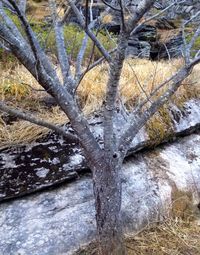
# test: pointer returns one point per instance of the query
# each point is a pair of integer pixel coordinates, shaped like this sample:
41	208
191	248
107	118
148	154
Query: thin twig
60	42
151	18
93	65
81	21
139	83
122	16
111	6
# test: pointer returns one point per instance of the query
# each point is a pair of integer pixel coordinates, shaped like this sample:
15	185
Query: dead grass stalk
139	78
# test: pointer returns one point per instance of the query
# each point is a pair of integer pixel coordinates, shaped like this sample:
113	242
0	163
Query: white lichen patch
140	138
42	172
60	220
76	159
55	161
189	117
8	160
182	170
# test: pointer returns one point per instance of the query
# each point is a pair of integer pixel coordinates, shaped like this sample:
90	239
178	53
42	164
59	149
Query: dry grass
22	132
166	35
106	18
169	238
18	88
139	78
38	9
173	237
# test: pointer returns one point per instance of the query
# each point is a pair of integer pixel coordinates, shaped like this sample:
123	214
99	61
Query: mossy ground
160	126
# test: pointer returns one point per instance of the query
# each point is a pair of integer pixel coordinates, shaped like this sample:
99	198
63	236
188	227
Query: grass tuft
173	237
20	89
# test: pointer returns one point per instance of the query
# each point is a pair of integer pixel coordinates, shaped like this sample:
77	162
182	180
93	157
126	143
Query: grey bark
105	163
111	96
107	192
22	5
35	120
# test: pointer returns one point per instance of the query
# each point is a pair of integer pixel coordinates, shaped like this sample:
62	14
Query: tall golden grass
138	79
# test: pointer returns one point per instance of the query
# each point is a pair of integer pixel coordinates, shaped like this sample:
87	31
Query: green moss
160	126
15	19
196	46
7	59
16	90
73	38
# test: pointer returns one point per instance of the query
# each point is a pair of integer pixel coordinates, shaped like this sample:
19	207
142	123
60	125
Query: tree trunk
107	192
22	5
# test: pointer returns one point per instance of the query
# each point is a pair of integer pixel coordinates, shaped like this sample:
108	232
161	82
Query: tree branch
41	60
80	56
111	95
7	5
111	6
142	8
49	81
61	49
193	40
122	16
81	21
79	59
138	119
22	5
136	29
10	24
36	120
64	19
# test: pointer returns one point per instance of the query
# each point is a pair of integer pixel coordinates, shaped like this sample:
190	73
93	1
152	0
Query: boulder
147	33
156	185
51	160
170	49
185	9
136	48
139	45
164	23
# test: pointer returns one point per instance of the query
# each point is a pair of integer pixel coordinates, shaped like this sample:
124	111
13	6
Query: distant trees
106	162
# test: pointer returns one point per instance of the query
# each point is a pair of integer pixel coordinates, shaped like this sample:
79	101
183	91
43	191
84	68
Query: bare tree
106	162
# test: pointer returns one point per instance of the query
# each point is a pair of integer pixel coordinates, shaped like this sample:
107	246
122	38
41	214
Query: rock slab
53	160
60	220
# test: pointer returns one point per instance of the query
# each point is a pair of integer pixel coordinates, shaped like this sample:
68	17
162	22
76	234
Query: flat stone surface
60	220
53	160
38	165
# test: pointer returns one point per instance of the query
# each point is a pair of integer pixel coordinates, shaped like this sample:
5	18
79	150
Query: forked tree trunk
107	192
